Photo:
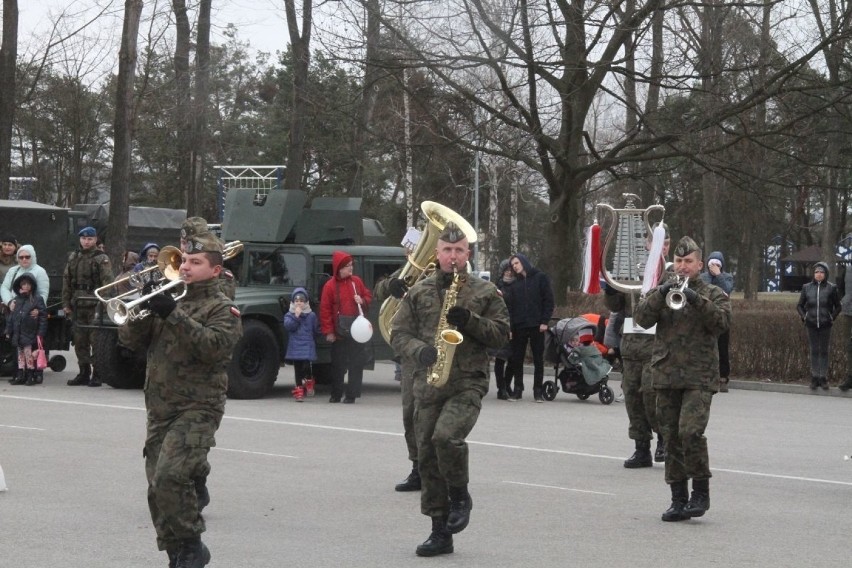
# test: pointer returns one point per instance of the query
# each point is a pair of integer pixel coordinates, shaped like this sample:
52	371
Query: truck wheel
254	366
114	369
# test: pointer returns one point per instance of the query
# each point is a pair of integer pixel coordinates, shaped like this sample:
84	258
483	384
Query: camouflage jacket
634	346
187	352
85	271
417	320
686	354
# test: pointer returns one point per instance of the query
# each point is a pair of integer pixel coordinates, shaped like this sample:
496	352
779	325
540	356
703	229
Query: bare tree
123	132
200	107
300	45
8	68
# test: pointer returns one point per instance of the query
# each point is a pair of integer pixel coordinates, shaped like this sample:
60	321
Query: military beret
203	242
193	226
451	233
88	232
686	246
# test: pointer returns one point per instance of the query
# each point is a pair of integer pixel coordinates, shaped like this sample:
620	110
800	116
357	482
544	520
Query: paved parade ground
311	484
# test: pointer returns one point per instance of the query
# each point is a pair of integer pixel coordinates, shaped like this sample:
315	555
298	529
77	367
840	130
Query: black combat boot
846	384
699	501
823	383
29	377
38	377
460	505
439	542
192	554
660	452
641	457
82	378
675	512
19	378
202	495
95	381
412	482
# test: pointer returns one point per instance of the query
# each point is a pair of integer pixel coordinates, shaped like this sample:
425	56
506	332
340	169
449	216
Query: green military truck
285	245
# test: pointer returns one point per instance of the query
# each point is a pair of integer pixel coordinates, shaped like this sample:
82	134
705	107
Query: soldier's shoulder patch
228	274
104	259
235	312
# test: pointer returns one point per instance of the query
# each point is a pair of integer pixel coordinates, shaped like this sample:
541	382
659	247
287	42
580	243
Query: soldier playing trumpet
685	368
445	415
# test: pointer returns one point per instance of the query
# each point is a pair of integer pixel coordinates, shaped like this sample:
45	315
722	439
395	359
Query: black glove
666	287
397	288
458	316
428	355
692	296
148	288
162	305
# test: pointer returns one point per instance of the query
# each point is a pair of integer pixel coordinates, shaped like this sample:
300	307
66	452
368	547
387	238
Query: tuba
446	338
421	261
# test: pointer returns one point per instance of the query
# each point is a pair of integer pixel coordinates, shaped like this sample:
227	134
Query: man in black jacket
530	302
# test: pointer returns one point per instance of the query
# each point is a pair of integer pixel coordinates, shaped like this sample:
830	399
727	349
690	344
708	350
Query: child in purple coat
302	325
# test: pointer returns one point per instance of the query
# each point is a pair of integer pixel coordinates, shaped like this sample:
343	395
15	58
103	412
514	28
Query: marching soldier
445	415
87	270
185	397
685	367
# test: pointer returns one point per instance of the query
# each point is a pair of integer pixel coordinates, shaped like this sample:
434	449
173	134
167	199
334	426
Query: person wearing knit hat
685	367
303	328
8	248
819	305
716	275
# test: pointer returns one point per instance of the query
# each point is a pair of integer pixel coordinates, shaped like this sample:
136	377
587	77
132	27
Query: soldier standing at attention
445	415
189	344
87	270
685	367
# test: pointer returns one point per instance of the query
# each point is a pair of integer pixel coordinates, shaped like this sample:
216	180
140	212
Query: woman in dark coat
819	305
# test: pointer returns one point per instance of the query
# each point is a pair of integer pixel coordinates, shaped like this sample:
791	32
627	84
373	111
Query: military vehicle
285	246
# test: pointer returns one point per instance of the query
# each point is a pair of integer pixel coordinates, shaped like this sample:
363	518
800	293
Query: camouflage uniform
685	367
443	417
86	271
640	399
185	400
381	293
197	225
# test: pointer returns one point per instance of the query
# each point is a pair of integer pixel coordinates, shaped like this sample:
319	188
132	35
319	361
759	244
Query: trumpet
676	299
168	265
120	312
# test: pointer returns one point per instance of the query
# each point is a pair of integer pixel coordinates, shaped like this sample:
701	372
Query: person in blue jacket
716	275
302	325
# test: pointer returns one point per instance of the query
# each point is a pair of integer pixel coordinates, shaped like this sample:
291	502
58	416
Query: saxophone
446	337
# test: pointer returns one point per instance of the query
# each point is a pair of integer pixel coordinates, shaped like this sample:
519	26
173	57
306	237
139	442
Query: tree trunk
300	44
199	114
123	133
183	114
8	67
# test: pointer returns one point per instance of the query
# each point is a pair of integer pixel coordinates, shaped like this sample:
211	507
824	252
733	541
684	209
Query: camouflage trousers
640	399
82	338
175	454
683	416
441	427
407	387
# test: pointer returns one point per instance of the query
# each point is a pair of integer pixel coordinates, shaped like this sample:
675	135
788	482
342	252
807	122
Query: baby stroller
577	363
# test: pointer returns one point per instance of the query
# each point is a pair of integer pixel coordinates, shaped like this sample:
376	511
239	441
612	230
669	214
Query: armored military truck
285	245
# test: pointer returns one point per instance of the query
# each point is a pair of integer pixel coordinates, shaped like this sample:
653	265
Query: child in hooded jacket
302	325
26	323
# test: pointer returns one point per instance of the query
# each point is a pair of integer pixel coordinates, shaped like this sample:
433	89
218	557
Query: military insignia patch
235	311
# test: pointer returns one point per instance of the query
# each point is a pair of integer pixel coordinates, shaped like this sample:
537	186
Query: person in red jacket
339	302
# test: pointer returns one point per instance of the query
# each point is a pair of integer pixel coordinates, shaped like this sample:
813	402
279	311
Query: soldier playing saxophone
445	415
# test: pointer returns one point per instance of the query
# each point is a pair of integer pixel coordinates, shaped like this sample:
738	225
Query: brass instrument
676	299
120	312
446	338
421	261
168	265
231	249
